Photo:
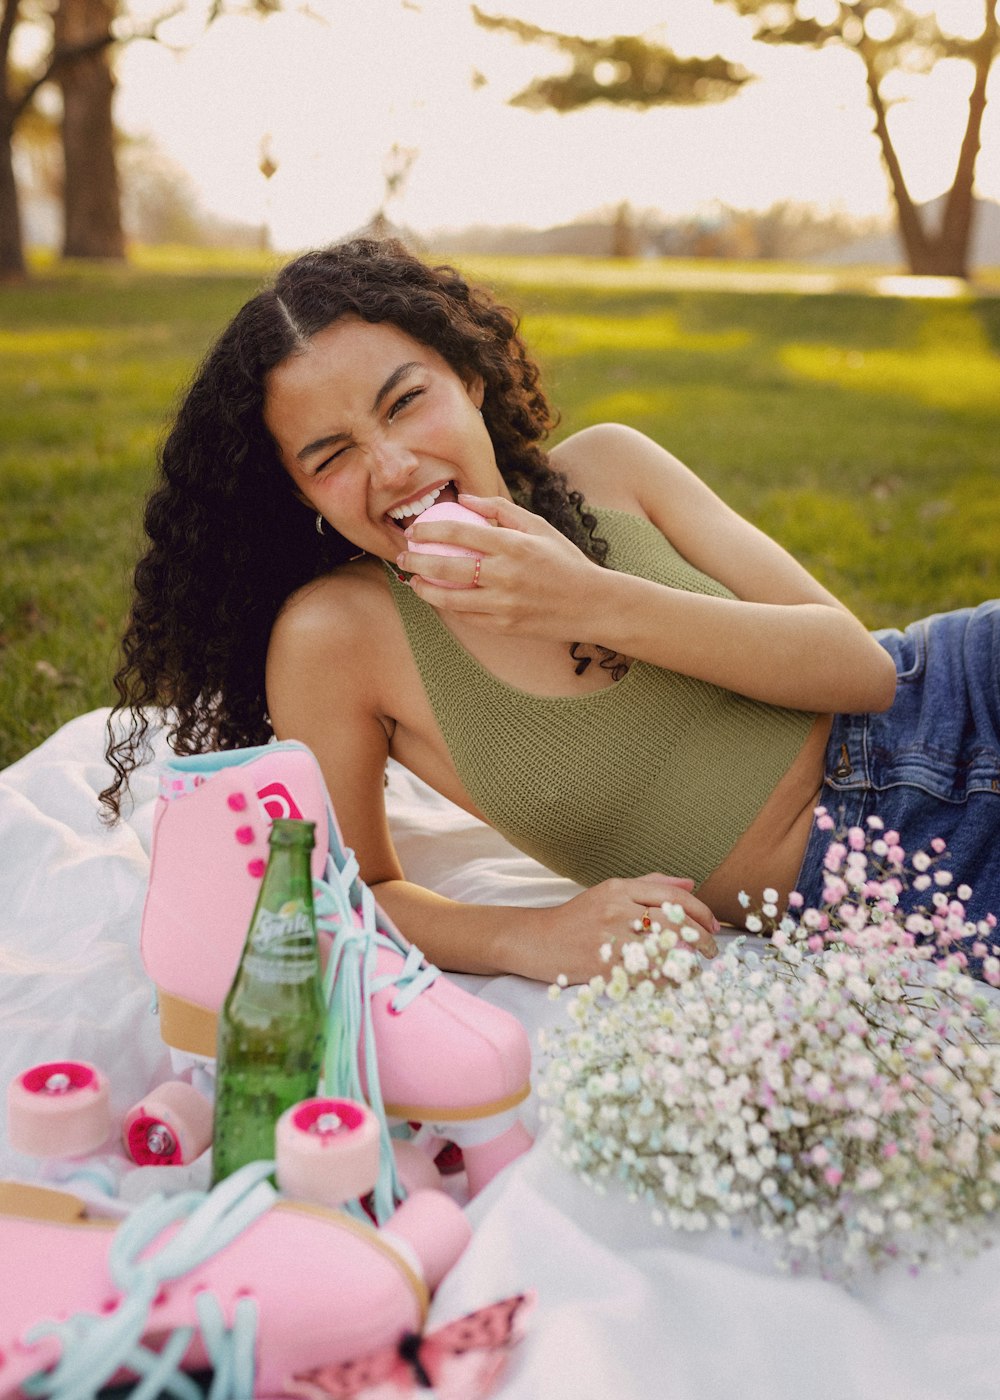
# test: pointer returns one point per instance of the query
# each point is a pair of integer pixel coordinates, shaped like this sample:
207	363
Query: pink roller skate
400	1035
256	1289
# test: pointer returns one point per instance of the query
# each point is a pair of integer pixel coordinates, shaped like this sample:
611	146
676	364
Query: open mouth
403	516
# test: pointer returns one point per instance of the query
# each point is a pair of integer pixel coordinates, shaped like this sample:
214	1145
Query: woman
621	675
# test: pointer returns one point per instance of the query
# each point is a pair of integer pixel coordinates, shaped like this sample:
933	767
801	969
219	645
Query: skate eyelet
256	868
236	802
244	835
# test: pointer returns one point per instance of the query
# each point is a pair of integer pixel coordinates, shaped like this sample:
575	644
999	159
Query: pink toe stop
59	1109
256	869
236	802
327	1151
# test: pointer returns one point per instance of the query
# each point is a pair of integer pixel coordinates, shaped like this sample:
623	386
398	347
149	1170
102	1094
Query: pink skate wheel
171	1126
327	1151
60	1109
448	510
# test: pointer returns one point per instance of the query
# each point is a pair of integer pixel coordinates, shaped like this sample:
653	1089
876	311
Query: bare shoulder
330	610
325	623
609	463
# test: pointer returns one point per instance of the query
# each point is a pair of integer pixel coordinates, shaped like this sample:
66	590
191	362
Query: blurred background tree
626	70
92	220
75	40
888	37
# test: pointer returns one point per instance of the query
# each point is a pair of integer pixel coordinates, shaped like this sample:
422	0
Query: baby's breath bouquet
837	1087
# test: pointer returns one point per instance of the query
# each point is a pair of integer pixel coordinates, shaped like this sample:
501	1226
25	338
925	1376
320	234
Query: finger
445	570
500	511
655	889
696	915
653	920
461	534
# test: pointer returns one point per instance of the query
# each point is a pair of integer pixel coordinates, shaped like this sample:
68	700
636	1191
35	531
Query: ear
475	387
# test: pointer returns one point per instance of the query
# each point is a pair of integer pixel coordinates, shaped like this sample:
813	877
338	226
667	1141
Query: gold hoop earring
319	523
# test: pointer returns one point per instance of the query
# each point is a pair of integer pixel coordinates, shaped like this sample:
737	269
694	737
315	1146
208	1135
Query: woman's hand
572	934
531	579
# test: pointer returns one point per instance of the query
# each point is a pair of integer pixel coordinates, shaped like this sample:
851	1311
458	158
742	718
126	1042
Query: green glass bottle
270	1037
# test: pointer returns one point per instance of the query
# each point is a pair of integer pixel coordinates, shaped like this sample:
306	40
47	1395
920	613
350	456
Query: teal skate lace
350	984
93	1348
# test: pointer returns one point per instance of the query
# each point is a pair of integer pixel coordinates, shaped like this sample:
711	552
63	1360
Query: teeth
415	508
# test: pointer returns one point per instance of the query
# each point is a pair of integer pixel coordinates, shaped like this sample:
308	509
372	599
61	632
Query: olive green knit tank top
657	771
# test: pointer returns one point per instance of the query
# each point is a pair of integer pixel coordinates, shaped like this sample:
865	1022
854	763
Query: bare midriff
770	851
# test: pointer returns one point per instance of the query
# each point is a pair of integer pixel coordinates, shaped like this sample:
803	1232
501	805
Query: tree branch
75	53
958	210
910	227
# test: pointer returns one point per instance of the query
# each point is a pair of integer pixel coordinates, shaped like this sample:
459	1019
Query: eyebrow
400	372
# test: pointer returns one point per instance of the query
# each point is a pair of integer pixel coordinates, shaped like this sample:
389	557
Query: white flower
844	1103
752	923
635	958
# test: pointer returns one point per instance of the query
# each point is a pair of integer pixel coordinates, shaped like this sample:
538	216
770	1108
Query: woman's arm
319	695
783	639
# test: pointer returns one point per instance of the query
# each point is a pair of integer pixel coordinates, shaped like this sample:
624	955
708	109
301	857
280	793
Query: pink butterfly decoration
461	1361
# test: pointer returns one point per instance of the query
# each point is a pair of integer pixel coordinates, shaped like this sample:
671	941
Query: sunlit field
862	431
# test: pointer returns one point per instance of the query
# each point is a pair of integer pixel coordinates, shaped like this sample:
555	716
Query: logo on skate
276	801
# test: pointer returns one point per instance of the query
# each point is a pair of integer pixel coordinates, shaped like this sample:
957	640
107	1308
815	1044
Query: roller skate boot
400	1034
254	1288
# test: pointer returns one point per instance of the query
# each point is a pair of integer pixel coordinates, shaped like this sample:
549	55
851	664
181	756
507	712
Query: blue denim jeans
930	765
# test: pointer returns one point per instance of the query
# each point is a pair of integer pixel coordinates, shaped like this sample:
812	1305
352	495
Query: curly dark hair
229	541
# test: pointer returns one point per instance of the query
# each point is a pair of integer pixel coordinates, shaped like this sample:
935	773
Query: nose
390	462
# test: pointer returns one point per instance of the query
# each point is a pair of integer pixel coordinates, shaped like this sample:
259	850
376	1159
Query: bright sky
334	85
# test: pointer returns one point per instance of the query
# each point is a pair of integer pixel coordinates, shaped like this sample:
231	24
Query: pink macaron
447	510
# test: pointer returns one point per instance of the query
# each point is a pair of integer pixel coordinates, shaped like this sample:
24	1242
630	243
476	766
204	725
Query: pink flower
856	838
833	1176
890	1149
834	858
795	900
938	845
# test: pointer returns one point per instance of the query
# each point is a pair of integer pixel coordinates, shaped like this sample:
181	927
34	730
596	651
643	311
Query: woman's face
372	426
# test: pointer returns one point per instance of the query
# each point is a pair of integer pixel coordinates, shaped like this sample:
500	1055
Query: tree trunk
11	238
91	194
916	244
12	266
955	239
944	253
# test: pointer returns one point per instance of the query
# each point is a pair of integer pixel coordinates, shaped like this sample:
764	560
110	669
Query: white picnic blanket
626	1310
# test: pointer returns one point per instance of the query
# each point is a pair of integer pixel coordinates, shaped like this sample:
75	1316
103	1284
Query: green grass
861	431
